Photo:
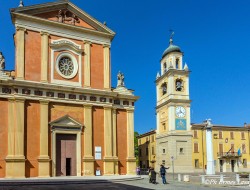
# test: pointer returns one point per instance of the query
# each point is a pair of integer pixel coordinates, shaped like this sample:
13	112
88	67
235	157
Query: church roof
171	48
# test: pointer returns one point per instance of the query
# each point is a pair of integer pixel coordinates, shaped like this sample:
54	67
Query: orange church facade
59	114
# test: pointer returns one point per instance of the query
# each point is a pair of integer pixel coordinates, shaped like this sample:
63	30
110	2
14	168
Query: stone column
88	159
20	52
209	146
87	54
108	157
106	58
43	159
114	126
131	160
44	56
15	160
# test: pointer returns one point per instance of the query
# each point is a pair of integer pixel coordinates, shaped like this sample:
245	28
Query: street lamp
209	145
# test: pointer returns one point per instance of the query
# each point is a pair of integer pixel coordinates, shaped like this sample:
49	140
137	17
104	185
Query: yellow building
230	148
147	149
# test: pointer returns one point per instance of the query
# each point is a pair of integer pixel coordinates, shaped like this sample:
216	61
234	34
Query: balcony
228	155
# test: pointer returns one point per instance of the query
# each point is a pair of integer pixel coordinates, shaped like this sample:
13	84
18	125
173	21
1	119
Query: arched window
178	85
177	63
164	88
164	67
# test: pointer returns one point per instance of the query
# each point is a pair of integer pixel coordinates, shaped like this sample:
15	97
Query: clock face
180	111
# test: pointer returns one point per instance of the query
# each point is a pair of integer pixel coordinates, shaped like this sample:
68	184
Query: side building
147	149
59	114
231	150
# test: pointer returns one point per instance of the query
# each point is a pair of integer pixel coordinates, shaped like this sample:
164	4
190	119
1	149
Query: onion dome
171	47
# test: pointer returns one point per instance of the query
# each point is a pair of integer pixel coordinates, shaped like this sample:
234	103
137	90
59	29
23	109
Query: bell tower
173	134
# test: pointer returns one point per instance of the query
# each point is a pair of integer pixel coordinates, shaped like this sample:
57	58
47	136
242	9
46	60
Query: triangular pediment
63	12
66	121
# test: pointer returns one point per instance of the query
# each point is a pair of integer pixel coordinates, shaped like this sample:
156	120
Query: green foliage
136	146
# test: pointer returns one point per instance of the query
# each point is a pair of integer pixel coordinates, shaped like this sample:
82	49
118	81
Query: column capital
45	102
106	107
16	99
18	28
106	45
87	106
130	110
44	33
87	42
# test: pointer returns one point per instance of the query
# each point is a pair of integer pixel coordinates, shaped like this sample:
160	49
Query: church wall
31	137
32	56
98	134
96	66
122	140
3	135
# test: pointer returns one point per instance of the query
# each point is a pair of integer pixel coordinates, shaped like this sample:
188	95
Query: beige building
173	133
147	149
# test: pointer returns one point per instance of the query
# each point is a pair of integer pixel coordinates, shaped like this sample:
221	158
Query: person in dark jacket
163	174
153	176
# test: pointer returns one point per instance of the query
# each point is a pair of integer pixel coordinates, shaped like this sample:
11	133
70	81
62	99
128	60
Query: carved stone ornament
65	16
120	79
2	62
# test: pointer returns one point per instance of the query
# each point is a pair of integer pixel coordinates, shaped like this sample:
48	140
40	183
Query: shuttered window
195	134
220	148
231	135
220	134
196	147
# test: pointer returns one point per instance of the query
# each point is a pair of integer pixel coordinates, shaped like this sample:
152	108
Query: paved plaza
113	182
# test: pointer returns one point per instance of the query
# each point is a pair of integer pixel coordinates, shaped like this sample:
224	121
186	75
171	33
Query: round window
66	65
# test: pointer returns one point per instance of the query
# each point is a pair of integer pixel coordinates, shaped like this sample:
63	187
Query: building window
181	151
220	148
178	85
177	63
147	139
146	151
195	147
152	138
242	135
231	135
139	142
232	148
164	67
164	126
244	163
163	151
164	88
220	134
163	162
153	150
196	163
195	134
243	149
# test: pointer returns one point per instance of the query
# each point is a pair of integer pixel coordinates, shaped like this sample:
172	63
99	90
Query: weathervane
171	36
21	3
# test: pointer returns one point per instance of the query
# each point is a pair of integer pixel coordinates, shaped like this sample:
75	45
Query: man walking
163	174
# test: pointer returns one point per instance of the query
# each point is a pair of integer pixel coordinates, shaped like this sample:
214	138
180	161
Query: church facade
59	114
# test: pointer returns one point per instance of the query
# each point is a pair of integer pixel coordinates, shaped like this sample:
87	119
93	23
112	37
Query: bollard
179	177
203	179
221	178
238	178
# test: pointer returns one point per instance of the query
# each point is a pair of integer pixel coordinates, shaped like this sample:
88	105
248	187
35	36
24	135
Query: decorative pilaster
108	158
87	54
20	50
131	160
106	58
43	159
15	160
44	56
114	126
88	159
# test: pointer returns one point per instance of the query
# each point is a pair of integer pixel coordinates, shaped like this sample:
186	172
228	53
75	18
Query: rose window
66	66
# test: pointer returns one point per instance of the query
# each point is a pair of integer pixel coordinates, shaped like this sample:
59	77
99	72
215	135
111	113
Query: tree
136	134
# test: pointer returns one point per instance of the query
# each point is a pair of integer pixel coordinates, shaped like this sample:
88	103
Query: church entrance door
65	155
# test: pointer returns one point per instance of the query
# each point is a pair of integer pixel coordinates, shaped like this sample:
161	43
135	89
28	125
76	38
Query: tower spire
171	37
21	3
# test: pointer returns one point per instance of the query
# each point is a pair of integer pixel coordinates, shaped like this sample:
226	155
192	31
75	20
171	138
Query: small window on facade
164	126
181	151
164	88
232	147
231	135
195	147
196	163
244	163
195	134
220	148
146	151
146	138
220	134
152	138
243	149
163	162
242	135
163	151
177	63
153	150
178	85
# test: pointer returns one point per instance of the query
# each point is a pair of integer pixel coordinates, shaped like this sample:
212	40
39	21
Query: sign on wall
98	153
180	124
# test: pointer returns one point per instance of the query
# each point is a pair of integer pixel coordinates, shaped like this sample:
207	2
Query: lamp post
209	146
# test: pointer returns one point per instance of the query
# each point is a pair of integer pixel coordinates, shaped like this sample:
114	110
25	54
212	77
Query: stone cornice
173	102
172	72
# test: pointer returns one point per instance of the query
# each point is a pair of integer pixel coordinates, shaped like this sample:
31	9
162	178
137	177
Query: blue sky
214	36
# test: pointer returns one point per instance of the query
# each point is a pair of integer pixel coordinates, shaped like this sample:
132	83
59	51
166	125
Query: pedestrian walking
138	170
153	176
163	174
